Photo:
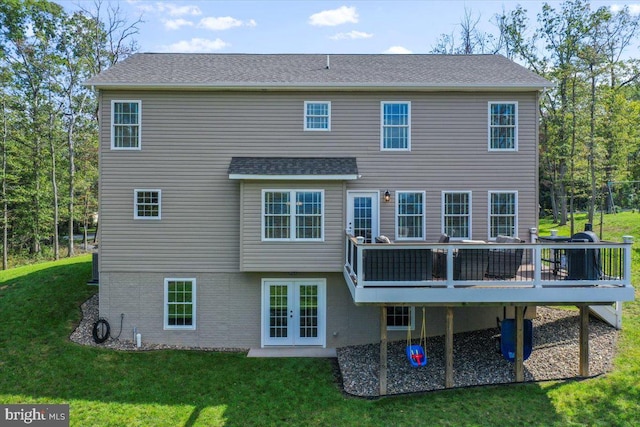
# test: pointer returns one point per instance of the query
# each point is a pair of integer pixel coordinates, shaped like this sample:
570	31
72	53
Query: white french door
362	214
293	312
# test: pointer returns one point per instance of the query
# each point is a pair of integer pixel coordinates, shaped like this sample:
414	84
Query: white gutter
221	86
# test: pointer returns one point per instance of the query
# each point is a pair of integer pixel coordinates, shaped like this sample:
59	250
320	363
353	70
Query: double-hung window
399	318
296	215
503	126
410	210
179	303
503	213
125	125
456	214
395	126
147	204
317	115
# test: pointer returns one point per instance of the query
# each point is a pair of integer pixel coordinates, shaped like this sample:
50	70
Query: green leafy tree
49	118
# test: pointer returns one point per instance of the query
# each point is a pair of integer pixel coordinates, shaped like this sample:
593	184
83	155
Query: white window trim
135	204
515	142
382	104
166	303
292	215
112	124
424	210
412	321
442	212
328	116
515	222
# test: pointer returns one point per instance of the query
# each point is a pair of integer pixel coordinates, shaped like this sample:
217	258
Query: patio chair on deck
470	264
440	260
504	263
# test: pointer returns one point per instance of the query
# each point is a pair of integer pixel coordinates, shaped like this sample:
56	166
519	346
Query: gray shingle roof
158	70
293	166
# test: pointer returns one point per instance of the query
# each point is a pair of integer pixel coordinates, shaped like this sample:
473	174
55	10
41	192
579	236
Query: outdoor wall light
387	196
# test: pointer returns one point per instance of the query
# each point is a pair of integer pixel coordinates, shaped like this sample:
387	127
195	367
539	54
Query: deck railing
459	265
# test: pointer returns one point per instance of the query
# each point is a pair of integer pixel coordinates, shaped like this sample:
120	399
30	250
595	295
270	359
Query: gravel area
476	359
83	334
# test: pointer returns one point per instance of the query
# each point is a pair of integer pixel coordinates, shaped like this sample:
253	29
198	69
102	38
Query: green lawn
39	307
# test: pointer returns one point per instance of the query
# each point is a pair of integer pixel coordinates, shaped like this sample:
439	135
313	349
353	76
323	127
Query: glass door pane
362	217
279	313
308	311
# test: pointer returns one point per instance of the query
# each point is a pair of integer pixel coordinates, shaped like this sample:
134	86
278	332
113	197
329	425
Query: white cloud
183	10
171	9
331	18
176	24
145	7
351	35
196	45
223	23
397	50
634	8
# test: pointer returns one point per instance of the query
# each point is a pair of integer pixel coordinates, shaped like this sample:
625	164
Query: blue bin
508	339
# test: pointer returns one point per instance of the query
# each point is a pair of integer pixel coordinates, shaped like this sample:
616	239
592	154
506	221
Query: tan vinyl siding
189	138
260	255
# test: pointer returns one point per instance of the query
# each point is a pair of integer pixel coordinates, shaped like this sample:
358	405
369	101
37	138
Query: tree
49	121
3	185
472	39
588	127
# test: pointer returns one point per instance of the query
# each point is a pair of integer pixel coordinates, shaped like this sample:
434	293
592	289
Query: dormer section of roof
294	168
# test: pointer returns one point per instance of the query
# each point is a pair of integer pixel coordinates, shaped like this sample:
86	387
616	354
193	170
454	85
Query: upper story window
395	124
410	215
503	126
125	125
456	214
146	204
293	215
179	303
317	115
503	213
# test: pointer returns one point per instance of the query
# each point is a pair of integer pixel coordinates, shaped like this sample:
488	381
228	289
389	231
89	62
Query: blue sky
308	26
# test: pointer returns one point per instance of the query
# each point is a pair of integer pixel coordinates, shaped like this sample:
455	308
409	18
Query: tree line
589	148
589	118
48	120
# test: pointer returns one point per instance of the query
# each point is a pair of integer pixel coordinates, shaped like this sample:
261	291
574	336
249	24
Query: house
241	196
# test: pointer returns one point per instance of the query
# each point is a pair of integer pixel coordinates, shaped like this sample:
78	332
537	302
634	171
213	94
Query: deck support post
519	362
448	349
584	341
383	351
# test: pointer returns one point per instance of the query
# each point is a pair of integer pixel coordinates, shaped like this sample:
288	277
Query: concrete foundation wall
228	311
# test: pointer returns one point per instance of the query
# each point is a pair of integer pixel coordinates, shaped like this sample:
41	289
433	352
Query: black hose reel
101	330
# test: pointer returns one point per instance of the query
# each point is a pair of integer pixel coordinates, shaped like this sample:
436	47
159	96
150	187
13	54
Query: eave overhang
347	87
